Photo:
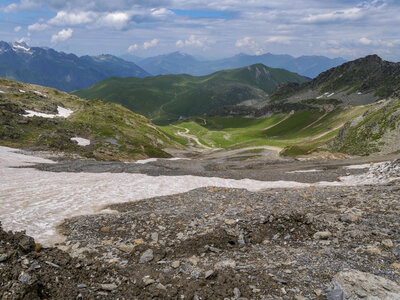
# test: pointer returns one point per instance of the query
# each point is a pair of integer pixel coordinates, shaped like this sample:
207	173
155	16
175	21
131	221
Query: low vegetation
301	131
115	133
167	98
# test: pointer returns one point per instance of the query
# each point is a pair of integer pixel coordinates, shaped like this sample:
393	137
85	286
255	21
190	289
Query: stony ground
217	243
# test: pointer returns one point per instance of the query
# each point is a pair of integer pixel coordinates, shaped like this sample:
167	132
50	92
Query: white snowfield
62	112
37	201
81	141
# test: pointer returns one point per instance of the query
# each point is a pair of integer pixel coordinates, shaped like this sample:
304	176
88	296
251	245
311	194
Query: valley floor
212	226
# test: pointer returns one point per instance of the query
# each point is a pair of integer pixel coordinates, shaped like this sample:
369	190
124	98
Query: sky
206	28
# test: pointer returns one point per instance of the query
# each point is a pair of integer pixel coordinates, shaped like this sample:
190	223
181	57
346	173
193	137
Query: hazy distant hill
168	97
181	63
59	70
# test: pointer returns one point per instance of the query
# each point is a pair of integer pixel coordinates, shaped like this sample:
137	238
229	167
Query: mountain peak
21	46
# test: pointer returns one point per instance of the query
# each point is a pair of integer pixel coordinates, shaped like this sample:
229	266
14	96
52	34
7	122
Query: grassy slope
167	97
118	133
368	134
304	129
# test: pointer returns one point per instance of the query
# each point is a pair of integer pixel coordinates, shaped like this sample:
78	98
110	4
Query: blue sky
207	28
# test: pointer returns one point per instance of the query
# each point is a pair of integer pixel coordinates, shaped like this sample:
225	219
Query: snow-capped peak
21	46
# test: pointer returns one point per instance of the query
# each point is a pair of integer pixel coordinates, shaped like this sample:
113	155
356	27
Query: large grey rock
354	285
146	256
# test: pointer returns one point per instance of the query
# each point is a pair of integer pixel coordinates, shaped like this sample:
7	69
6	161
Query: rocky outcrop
377	131
355	285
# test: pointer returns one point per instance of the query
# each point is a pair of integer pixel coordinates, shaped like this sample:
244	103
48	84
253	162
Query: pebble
146	256
105	229
176	264
147	280
208	274
230	221
322	235
387	243
229	263
236	293
154	237
108	286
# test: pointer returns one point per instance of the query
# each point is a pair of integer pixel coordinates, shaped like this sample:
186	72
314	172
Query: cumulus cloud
195	41
133	47
150	44
249	44
365	41
64	18
62	35
38	27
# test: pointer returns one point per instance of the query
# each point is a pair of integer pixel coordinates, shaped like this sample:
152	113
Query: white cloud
150	44
279	39
62	35
133	48
365	41
335	16
64	18
38	27
115	20
194	41
161	12
249	45
17	29
23	5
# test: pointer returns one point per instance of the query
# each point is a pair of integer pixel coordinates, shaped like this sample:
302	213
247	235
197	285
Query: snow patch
2	92
20	47
40	94
81	141
330	95
37	201
358	167
62	112
145	161
22	91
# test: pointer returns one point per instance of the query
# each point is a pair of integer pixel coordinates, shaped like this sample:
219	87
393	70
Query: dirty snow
37	201
358	167
304	171
81	141
62	112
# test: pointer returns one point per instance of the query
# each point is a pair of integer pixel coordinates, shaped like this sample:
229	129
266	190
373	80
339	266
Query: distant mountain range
359	82
67	72
166	98
182	63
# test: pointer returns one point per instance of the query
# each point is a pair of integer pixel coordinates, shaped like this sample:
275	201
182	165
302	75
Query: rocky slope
376	131
59	70
47	119
357	82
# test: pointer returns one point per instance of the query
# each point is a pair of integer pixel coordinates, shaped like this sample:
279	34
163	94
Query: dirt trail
190	137
284	119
